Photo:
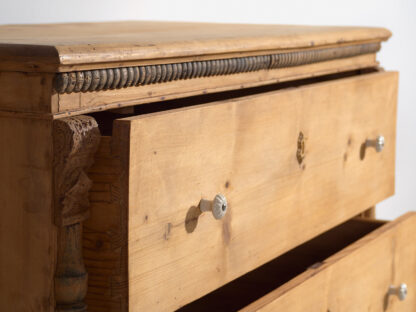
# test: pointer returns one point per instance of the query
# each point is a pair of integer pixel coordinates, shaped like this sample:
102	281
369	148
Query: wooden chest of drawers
199	167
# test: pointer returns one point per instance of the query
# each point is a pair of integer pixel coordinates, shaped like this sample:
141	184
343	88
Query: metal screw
378	143
400	291
218	206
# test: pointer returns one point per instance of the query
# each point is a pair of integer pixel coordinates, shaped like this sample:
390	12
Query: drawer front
356	279
281	189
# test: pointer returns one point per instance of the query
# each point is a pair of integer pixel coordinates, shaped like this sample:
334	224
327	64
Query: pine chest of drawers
150	166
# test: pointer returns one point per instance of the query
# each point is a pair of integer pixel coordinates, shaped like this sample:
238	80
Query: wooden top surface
51	47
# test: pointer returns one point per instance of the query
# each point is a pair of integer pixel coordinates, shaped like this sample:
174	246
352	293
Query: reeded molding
123	77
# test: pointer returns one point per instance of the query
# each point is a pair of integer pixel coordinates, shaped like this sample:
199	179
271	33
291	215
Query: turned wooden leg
71	277
75	142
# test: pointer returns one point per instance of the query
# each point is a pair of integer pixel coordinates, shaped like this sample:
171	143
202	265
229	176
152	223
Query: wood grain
355	279
104	235
147	247
75	140
84	102
57	47
32	94
246	149
27	92
266	279
27	235
124	77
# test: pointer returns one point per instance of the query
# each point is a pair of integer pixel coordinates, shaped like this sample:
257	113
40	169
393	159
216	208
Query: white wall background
398	53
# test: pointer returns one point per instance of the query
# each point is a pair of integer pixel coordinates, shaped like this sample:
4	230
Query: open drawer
357	266
291	164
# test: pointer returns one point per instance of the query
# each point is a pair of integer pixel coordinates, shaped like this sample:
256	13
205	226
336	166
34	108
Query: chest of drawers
150	166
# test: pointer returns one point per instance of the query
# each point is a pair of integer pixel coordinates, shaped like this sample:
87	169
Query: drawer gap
105	118
259	282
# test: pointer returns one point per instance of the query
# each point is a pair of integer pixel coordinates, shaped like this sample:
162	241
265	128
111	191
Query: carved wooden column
75	142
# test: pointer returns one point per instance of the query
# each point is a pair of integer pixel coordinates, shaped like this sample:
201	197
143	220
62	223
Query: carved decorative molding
123	77
75	142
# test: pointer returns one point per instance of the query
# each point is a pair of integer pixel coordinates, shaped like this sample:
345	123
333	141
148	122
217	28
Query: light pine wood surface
105	250
355	279
128	76
32	94
26	93
49	47
289	157
245	149
77	103
27	234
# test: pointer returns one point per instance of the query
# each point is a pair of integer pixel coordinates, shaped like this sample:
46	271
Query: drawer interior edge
274	274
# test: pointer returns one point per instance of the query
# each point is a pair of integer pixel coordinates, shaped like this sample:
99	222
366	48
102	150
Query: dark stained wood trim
123	77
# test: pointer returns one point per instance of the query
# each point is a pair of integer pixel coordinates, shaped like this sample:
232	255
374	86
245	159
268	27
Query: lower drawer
349	268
